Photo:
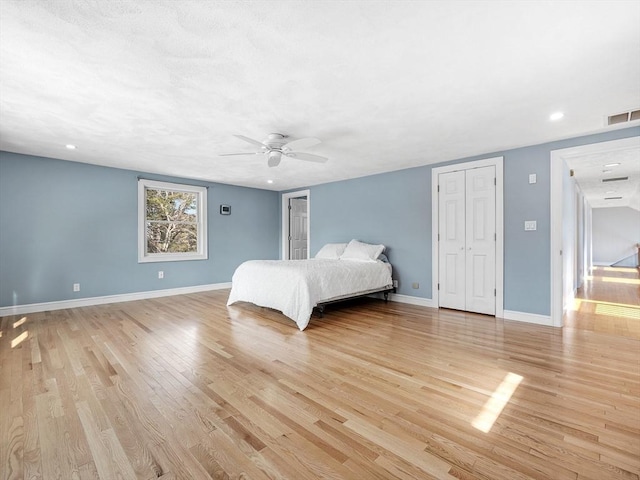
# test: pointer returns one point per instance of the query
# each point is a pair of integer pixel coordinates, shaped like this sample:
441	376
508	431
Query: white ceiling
594	172
162	86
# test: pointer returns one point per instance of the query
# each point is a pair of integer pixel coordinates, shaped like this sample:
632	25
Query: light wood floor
608	302
185	388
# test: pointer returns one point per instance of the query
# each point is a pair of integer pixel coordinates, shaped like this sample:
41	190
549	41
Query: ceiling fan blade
302	143
230	154
251	141
310	157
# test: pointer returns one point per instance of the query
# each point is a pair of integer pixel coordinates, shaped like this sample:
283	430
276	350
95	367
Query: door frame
284	202
497	162
557	160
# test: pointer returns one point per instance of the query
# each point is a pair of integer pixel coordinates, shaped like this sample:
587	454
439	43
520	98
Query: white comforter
295	286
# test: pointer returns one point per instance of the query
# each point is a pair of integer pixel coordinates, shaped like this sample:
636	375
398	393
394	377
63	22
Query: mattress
295	287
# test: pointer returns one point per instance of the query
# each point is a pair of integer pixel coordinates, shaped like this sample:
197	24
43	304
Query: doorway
296	220
563	223
298	229
467	236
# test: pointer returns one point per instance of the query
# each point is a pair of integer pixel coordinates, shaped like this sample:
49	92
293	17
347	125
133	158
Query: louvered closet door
467	227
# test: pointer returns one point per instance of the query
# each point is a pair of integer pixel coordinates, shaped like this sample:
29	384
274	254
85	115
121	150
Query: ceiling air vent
623	117
613	198
617	179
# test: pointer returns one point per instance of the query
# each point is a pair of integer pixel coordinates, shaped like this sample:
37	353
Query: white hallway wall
616	231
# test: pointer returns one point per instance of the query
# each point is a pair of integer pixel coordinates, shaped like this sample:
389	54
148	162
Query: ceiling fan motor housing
275	140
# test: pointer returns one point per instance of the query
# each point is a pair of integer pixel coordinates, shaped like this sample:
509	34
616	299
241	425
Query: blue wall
395	209
64	222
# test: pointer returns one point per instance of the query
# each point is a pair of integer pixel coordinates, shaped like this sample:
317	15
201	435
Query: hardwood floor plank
110	459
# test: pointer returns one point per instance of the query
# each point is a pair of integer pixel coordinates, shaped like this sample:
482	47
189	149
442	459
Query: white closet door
481	240
451	219
467	246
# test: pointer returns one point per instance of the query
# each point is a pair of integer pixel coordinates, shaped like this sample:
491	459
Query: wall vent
623	117
617	179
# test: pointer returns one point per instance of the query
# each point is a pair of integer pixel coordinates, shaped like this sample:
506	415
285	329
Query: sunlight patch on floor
496	403
628	281
618	311
577	303
607	308
17	323
19	339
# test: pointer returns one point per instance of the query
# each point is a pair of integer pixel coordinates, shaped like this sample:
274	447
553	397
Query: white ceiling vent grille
623	117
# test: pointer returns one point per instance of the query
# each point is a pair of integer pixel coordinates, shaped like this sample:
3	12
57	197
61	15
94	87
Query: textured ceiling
162	86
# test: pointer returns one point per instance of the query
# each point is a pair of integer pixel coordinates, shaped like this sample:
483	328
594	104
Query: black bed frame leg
321	311
386	297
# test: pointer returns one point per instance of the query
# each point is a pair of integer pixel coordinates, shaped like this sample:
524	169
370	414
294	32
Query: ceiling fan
275	146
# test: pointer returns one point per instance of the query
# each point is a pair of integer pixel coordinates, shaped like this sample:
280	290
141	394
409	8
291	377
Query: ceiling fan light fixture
274	158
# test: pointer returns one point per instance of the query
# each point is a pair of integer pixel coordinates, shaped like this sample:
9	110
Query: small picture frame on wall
225	209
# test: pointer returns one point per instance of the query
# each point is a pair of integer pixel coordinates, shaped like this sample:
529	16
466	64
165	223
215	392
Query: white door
451	221
298	228
481	240
467	247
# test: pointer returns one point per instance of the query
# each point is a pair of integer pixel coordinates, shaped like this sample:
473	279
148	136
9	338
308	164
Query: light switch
533	179
530	225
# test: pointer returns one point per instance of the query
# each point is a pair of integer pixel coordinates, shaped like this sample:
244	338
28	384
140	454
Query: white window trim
201	192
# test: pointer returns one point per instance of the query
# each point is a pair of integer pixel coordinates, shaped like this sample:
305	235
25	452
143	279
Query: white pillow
361	251
331	251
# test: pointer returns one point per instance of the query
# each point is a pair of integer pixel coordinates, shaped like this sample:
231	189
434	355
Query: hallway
608	302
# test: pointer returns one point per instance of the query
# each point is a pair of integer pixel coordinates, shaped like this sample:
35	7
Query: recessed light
556	116
70	147
611	164
269	181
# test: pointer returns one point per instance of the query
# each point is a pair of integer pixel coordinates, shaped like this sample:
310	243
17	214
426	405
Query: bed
295	287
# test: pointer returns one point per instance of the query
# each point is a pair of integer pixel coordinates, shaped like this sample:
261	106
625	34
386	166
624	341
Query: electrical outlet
533	178
395	284
530	225
160	274
76	287
415	285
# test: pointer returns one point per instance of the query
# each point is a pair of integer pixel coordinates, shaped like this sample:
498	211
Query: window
172	222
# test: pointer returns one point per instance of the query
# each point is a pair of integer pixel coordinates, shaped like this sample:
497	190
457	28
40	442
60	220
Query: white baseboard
423	302
507	314
126	297
528	317
396	297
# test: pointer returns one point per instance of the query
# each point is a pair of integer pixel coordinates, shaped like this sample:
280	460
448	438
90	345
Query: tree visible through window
173	223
